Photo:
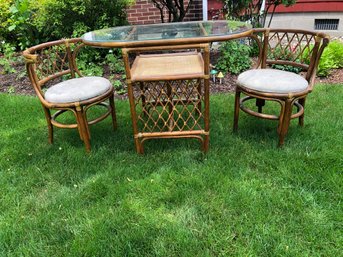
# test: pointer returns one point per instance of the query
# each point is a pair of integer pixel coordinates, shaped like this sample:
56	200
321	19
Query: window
326	24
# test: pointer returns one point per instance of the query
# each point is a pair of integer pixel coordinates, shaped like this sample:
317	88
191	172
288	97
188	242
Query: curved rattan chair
281	48
46	65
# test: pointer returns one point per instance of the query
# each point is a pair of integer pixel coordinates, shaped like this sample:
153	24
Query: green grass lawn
246	197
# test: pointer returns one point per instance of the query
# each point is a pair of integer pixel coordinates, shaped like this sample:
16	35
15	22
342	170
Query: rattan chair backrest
52	60
296	48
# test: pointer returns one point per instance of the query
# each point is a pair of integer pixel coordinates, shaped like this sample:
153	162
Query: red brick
147	14
138	14
142	18
155	17
145	6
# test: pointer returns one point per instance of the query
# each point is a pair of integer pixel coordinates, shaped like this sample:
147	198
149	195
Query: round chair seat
272	81
77	89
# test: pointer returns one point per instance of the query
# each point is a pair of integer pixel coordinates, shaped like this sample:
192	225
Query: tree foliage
29	22
234	57
176	9
4	15
60	18
251	10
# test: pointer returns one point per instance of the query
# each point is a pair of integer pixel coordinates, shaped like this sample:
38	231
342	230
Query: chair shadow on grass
257	130
105	139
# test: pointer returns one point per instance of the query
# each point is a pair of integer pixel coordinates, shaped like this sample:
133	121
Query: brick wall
195	11
144	12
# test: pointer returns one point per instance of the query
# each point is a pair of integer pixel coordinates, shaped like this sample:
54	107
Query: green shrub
16	23
7	56
254	49
285	54
94	61
62	18
21	29
115	62
234	57
289	68
5	18
28	22
118	86
90	60
332	58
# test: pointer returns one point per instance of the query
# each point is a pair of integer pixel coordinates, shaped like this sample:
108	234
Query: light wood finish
50	61
167	34
305	49
175	66
169	93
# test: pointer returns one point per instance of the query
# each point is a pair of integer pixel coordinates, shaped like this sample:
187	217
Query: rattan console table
168	88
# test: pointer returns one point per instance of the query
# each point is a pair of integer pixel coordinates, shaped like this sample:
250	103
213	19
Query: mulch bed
19	83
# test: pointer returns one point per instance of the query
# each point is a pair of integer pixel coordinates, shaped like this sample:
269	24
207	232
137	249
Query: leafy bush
285	54
332	58
289	68
116	64
62	18
234	57
8	56
254	49
118	86
4	18
28	22
90	68
90	61
21	29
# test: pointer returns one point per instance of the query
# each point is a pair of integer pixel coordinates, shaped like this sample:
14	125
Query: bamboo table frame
169	98
167	34
173	87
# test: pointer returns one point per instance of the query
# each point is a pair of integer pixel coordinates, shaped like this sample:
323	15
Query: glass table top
199	31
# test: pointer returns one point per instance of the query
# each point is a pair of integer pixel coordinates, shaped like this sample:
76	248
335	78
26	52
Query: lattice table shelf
169	95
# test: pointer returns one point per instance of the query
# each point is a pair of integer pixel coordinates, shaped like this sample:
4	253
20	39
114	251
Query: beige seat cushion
77	89
272	81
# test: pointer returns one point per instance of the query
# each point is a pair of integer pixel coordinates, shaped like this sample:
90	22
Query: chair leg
170	107
199	98
284	123
236	111
139	146
206	143
301	118
260	103
83	127
113	112
144	103
207	114
50	127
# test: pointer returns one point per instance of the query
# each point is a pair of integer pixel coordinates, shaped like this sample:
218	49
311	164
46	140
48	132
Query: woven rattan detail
49	63
173	105
290	46
169	92
51	60
174	66
291	51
